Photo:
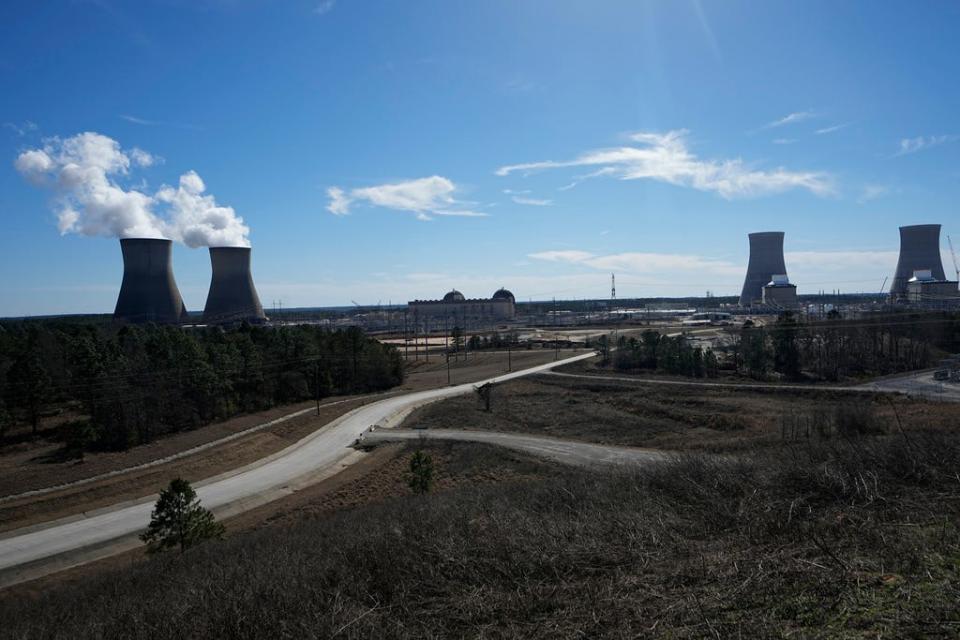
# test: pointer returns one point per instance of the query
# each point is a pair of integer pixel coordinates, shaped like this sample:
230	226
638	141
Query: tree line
831	349
128	385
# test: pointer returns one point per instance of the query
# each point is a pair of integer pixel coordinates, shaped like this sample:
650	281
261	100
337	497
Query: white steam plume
85	171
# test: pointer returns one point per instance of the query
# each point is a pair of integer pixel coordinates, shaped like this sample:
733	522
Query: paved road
565	451
922	385
26	553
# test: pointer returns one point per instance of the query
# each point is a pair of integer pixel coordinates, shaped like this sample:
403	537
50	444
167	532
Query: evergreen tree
421	472
178	520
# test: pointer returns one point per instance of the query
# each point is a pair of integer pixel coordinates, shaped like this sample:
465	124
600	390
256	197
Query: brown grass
839	538
674	418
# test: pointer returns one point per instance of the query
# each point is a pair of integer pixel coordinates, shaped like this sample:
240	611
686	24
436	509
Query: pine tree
421	472
179	520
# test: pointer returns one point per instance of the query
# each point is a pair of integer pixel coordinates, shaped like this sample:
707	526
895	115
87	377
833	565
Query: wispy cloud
784	140
832	129
664	157
21	129
326	6
424	197
534	202
793	118
641	263
921	143
157	123
872	192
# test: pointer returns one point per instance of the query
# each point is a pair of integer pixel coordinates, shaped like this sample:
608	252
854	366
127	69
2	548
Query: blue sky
381	151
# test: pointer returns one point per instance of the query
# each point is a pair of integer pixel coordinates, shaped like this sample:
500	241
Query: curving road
564	451
34	551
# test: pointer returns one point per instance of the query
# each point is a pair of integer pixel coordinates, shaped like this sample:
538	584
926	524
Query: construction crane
953	254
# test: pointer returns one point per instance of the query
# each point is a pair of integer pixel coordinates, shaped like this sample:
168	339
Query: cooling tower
148	292
919	251
766	260
232	296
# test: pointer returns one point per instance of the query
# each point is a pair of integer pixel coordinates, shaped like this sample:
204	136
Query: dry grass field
679	418
852	537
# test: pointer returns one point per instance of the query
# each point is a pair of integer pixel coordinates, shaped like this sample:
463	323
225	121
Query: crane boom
953	254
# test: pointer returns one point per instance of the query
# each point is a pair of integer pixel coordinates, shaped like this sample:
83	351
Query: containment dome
503	294
232	296
454	296
148	292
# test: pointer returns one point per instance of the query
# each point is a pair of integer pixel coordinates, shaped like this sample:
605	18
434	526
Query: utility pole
448	368
509	356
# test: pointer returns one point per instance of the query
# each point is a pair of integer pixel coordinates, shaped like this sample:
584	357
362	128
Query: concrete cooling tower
919	251
766	260
232	296
148	292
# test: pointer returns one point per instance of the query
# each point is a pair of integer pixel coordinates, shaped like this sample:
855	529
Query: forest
830	349
123	386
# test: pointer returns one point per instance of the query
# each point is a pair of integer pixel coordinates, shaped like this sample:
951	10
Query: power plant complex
149	292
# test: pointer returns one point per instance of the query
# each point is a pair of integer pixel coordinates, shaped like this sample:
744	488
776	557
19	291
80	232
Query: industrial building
766	261
148	292
232	297
923	289
780	293
500	306
919	251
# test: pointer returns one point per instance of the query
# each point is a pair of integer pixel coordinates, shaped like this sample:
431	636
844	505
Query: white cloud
424	197
536	202
912	145
143	159
832	129
792	118
86	172
784	140
197	220
339	204
872	192
666	158
326	6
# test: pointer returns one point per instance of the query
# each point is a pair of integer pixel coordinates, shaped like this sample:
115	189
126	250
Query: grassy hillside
839	538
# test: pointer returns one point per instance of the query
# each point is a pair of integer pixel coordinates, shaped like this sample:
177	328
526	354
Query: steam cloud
85	171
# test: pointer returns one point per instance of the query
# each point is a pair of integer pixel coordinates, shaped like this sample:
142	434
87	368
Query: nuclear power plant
148	292
766	261
232	296
919	251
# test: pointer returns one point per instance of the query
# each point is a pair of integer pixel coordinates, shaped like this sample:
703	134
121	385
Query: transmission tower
613	287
